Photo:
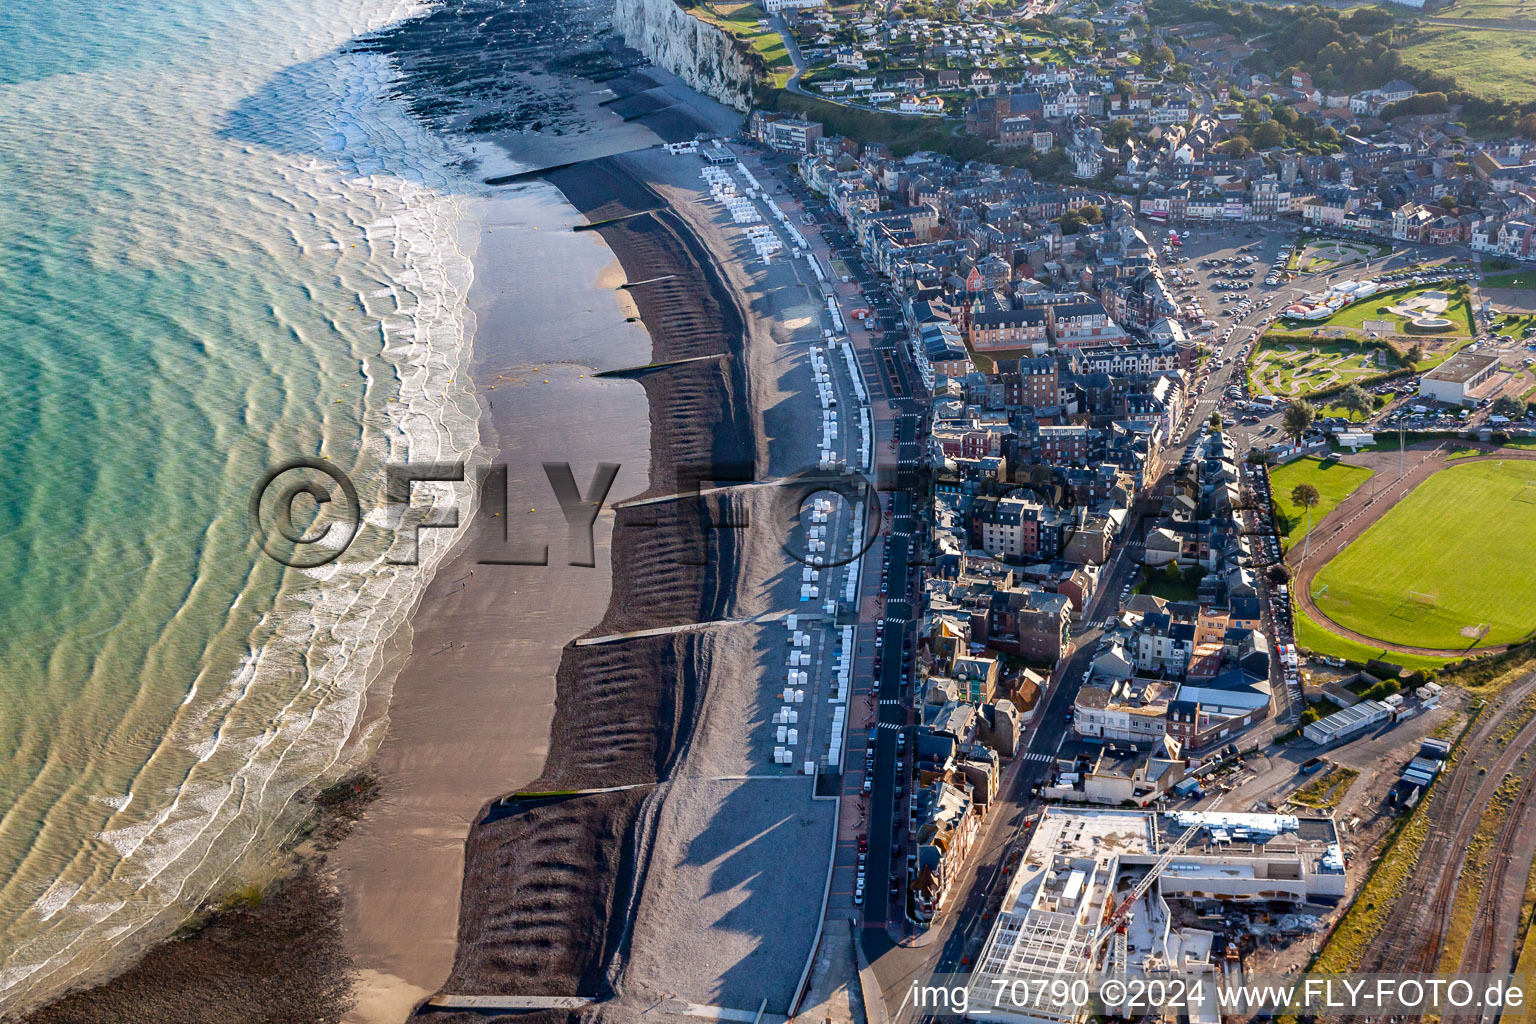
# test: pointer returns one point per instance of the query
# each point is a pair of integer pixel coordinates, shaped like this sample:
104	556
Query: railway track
1414	936
1485	953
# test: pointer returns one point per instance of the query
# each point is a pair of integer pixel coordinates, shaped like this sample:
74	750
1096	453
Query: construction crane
1115	923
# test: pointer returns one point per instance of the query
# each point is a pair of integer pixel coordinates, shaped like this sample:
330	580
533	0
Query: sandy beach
469	715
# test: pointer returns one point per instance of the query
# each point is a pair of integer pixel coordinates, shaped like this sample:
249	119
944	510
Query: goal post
1419	597
1526	493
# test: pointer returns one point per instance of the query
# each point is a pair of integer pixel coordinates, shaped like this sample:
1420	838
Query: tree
1508	405
1237	145
1355	399
1298	418
1306	496
1526	126
1268	135
1414	355
1423	103
1118	131
1164	55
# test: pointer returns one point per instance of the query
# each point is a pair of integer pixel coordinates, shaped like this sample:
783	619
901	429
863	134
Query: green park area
1334	481
1170	583
1515	325
1291	370
1383	311
1329	254
1446	567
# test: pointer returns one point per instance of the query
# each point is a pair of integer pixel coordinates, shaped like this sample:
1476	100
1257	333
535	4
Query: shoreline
472	708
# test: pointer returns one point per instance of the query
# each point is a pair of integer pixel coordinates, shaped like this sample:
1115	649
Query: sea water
222	245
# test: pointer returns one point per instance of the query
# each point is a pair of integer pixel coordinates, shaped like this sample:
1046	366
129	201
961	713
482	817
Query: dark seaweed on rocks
460	62
550	881
278	957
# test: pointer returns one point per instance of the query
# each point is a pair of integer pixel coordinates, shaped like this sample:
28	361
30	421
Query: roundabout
1440	563
1328	254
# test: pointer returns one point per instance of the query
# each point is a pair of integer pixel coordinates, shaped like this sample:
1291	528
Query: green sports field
1452	565
1334	482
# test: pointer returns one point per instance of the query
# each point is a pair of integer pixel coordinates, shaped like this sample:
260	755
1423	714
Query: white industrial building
1091	893
1454	380
1348	723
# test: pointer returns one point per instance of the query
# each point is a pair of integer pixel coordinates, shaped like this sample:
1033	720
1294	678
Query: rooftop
1462	367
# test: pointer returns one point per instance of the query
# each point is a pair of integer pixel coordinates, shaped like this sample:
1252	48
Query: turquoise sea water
220	247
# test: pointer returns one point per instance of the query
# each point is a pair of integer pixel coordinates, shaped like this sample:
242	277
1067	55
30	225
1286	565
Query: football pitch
1452	565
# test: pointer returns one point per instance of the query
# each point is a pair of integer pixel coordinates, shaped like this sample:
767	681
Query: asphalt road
887	813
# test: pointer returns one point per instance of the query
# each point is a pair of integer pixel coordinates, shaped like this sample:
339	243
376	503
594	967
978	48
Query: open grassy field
1459	541
741	20
1489	10
1512	279
1487	60
1334	481
1516	325
1291	371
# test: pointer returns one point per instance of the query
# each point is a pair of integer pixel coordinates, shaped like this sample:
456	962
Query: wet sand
470	713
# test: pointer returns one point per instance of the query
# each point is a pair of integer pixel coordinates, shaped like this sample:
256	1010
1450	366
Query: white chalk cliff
709	59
